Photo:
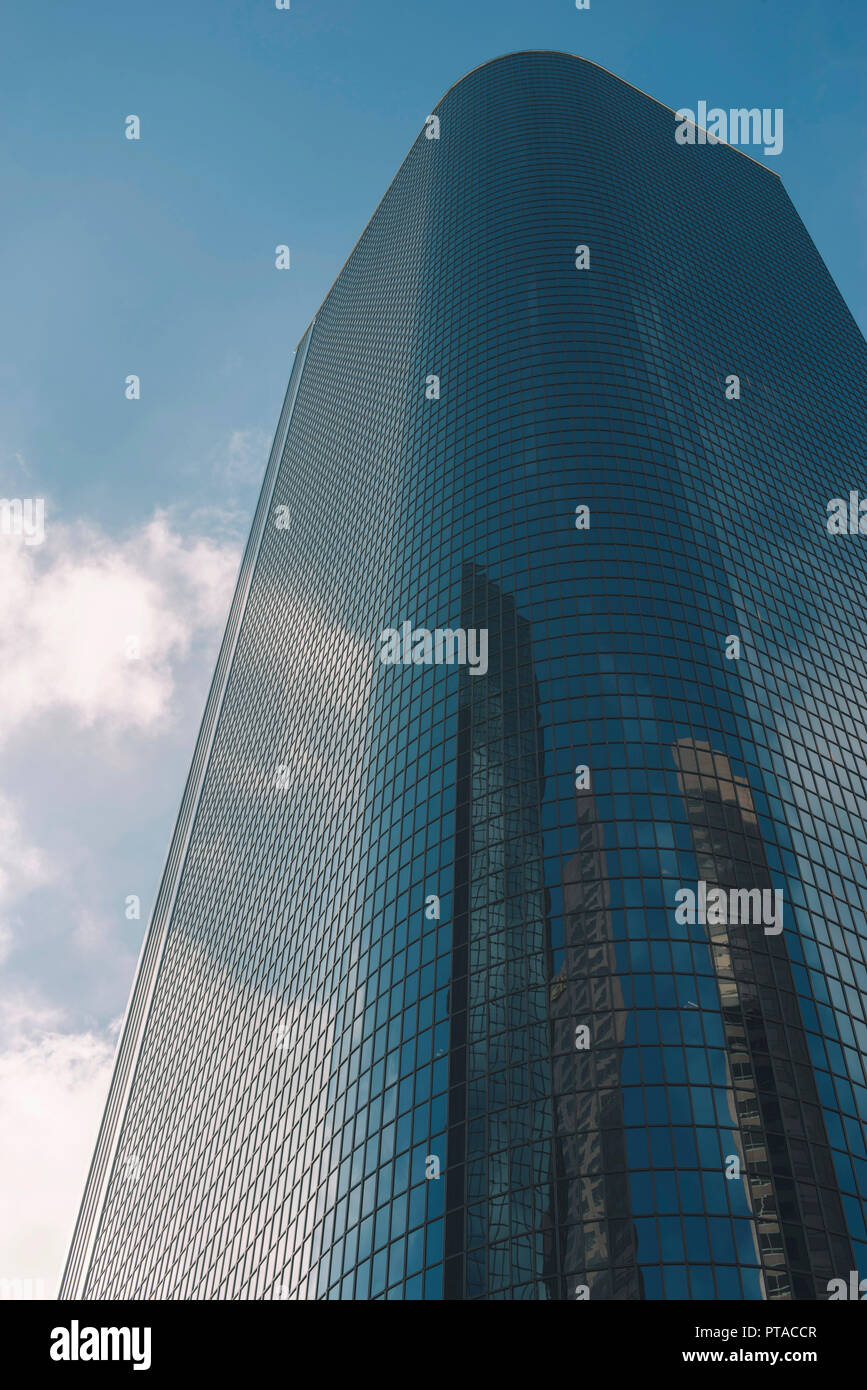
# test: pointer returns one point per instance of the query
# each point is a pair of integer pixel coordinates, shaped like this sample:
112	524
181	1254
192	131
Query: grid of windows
342	1091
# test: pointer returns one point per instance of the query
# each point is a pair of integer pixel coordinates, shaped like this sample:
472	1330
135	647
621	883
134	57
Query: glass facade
418	1015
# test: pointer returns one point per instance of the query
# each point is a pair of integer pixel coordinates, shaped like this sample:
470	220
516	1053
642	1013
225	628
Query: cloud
53	1086
245	458
236	469
93	624
327	689
22	867
13	459
76	609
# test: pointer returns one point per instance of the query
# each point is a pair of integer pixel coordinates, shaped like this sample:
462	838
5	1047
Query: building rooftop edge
578	58
516	53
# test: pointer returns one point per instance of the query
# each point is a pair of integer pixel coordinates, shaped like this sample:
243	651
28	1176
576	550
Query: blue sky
156	257
262	126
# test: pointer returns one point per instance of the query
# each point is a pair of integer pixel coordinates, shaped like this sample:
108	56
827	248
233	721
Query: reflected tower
596	1246
788	1172
499	1143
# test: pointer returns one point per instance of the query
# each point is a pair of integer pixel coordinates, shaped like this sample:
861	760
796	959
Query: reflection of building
594	1234
497	1185
798	1220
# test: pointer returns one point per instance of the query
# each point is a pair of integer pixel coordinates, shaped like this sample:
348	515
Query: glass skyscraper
420	1013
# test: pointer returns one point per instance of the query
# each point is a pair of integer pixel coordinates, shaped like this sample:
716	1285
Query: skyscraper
540	626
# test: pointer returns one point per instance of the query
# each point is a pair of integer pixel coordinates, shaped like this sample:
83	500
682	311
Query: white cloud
74	606
236	469
70	607
92	932
22	867
246	456
53	1087
326	688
